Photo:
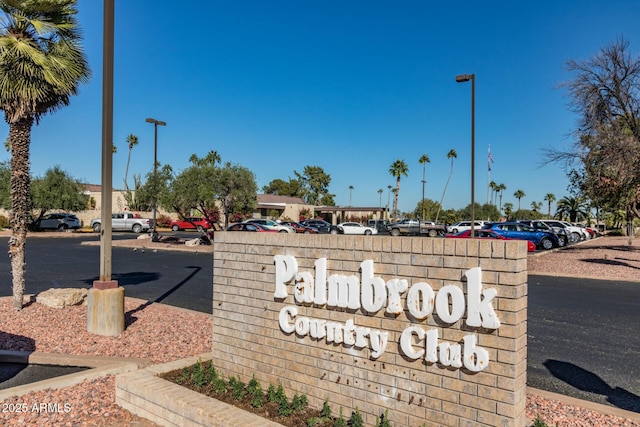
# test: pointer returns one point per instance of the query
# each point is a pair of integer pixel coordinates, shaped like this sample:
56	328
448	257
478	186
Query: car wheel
200	228
575	237
175	228
367	232
395	232
562	241
546	243
283	231
137	228
96	227
454	231
62	227
334	231
433	233
307	232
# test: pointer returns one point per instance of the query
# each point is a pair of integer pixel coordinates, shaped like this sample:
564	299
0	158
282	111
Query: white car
356	228
269	223
464	226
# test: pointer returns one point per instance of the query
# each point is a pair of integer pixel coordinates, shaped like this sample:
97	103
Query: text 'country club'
370	294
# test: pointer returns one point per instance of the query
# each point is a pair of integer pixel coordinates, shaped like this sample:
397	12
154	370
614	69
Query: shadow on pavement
591	383
129	315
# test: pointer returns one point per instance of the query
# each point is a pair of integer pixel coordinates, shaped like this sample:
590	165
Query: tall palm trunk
19	136
396	196
126	172
444	191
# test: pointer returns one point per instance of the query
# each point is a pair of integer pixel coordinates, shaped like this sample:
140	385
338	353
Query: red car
190	223
488	234
250	226
300	228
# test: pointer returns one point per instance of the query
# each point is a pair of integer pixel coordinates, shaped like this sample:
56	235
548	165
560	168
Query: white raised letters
370	293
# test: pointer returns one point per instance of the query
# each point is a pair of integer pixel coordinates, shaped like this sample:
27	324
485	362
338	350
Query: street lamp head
464	78
155	122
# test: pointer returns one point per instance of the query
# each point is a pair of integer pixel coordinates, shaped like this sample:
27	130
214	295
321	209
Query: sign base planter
145	394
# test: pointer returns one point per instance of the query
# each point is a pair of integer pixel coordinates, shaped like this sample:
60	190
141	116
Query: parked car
301	228
517	230
249	226
190	223
575	233
269	223
126	221
488	234
592	231
564	237
464	225
356	228
57	221
378	224
321	225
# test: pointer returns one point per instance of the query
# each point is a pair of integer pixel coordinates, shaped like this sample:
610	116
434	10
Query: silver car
58	221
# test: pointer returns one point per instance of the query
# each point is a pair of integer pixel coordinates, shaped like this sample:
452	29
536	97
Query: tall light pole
156	123
105	300
465	78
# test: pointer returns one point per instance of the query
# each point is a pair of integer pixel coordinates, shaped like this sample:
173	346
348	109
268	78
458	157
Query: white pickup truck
124	222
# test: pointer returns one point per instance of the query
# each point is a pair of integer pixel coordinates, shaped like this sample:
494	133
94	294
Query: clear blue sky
347	86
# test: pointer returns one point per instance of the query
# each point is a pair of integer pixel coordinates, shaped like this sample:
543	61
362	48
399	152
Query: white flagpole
489	174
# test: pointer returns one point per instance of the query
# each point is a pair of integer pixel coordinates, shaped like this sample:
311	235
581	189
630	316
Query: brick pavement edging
145	394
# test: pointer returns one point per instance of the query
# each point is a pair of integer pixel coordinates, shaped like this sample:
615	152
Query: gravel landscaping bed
160	333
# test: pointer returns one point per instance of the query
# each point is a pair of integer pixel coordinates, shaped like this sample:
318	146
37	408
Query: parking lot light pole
156	123
460	79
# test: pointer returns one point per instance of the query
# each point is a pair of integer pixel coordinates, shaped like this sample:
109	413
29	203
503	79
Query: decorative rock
61	298
192	242
143	237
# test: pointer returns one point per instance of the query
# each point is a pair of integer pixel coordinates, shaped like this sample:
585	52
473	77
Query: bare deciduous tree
604	161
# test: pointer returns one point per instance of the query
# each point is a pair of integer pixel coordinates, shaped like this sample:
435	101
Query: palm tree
41	67
549	198
380	191
501	188
397	169
519	194
132	140
508	209
494	190
450	155
576	208
424	159
535	206
350	190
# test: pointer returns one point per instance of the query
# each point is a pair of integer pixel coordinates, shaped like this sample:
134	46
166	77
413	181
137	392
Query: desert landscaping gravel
161	333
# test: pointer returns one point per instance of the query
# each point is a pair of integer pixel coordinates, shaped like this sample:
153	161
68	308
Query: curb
101	366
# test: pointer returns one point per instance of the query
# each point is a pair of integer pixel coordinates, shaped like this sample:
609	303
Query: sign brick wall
250	335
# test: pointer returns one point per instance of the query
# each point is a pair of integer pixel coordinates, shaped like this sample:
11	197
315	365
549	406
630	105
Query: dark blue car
520	231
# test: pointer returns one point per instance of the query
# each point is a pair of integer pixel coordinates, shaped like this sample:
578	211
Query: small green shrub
219	385
356	419
212	374
383	421
254	386
198	375
4	221
237	388
299	402
340	421
284	408
538	422
272	395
